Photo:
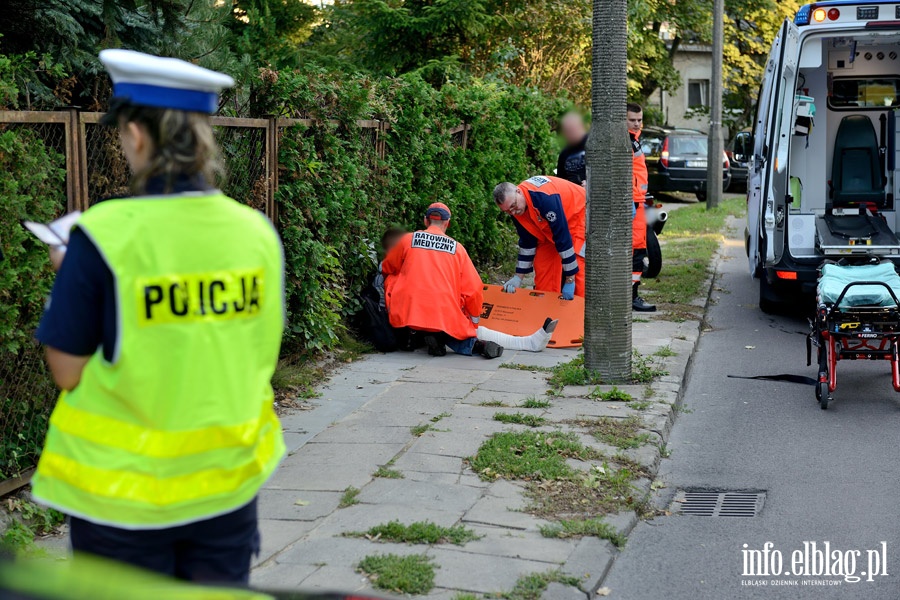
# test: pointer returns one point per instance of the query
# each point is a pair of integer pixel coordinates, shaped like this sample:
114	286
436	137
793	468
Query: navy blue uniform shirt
81	313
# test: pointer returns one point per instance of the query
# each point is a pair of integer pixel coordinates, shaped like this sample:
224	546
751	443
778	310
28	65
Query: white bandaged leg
535	342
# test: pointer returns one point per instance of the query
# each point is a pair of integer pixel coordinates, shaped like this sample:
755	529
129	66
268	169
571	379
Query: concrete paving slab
443	372
561	591
589	562
276	535
480	573
362	433
528	545
362	517
295	474
526	386
291	505
428	463
276	577
454	388
434	496
439	478
503	512
340	551
624	522
338	579
316	453
481	396
448	443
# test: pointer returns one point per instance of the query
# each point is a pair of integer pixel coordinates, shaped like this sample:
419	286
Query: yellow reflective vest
179	426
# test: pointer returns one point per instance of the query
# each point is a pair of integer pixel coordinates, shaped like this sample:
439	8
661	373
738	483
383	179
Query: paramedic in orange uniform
435	288
635	117
549	214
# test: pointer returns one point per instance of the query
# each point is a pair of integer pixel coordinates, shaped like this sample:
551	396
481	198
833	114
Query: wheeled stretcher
857	318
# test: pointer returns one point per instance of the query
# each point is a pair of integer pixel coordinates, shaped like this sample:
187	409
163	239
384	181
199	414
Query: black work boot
487	349
436	346
638	303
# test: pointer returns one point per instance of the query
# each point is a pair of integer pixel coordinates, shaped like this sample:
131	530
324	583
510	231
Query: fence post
272	168
74	172
465	141
80	151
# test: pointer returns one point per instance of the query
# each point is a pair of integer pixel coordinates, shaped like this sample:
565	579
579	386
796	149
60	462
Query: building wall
693	63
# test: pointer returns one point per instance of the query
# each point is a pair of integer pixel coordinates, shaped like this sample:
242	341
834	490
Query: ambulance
824	178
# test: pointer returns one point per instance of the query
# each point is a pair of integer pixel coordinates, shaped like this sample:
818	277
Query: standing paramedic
639	257
433	287
163	331
549	215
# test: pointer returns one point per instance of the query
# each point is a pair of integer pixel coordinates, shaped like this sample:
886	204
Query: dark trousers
217	550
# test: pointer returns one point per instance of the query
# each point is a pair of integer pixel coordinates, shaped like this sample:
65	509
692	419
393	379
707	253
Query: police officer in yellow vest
163	331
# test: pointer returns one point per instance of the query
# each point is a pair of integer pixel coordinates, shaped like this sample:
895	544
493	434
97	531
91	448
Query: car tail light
727	163
834	14
664	155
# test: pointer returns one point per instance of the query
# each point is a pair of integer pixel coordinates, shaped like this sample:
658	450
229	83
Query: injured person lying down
432	289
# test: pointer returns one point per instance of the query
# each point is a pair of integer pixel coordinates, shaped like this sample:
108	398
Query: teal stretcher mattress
835	278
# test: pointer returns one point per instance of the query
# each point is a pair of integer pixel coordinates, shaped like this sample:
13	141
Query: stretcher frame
853	333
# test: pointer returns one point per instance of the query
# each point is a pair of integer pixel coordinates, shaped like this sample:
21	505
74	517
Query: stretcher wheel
822	394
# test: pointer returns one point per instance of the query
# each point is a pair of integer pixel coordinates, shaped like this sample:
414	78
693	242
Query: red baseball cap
438	210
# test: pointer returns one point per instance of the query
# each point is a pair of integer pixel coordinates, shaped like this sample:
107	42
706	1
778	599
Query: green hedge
32	187
336	196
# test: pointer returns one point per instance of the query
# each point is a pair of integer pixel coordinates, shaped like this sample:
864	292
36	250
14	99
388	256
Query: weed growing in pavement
420	532
664	451
640	405
386	473
521	367
494	403
349	498
443	415
520	419
412	574
27	521
532	586
573	373
420	430
644	369
597	527
623	433
665	352
613	395
465	596
532	402
639	320
529	455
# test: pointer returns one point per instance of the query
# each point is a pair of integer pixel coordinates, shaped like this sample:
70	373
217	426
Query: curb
667	383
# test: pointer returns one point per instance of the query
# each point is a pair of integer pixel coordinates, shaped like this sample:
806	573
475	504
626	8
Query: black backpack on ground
374	323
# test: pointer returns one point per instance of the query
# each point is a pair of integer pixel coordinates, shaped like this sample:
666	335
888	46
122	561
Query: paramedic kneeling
549	215
164	330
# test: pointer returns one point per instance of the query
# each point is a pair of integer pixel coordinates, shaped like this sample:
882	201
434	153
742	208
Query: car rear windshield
683	145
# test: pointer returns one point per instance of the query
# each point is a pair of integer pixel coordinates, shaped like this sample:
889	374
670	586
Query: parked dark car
739	151
676	160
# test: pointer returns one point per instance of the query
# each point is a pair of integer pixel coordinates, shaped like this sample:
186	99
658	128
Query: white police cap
145	80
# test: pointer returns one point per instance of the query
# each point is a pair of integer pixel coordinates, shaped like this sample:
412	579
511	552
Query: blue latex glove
568	291
512	285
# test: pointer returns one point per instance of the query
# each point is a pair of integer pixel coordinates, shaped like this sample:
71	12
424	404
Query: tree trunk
607	323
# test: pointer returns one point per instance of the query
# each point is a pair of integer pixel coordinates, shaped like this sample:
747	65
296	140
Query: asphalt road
829	476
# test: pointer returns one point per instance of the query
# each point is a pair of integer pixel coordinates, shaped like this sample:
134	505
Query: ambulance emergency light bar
875	14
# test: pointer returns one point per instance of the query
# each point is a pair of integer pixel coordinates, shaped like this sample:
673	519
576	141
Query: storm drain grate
706	503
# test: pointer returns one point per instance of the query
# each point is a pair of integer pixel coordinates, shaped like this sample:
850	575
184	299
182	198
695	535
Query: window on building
698	93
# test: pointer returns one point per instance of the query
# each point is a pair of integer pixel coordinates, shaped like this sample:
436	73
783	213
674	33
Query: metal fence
96	169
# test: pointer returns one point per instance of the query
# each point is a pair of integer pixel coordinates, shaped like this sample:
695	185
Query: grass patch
387	473
530	587
349	498
604	489
529	455
645	369
520	419
569	528
420	532
573	373
465	596
639	320
640	404
420	430
691	239
664	352
494	403
412	574
297	378
521	367
613	395
532	402
621	433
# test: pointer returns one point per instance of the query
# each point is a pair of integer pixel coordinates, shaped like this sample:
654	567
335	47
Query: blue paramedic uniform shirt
81	312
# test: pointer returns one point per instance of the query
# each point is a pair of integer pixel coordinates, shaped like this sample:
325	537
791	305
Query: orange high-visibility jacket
432	284
639	183
555	215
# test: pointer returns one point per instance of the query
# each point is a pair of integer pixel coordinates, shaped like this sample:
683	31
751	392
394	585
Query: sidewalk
364	420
